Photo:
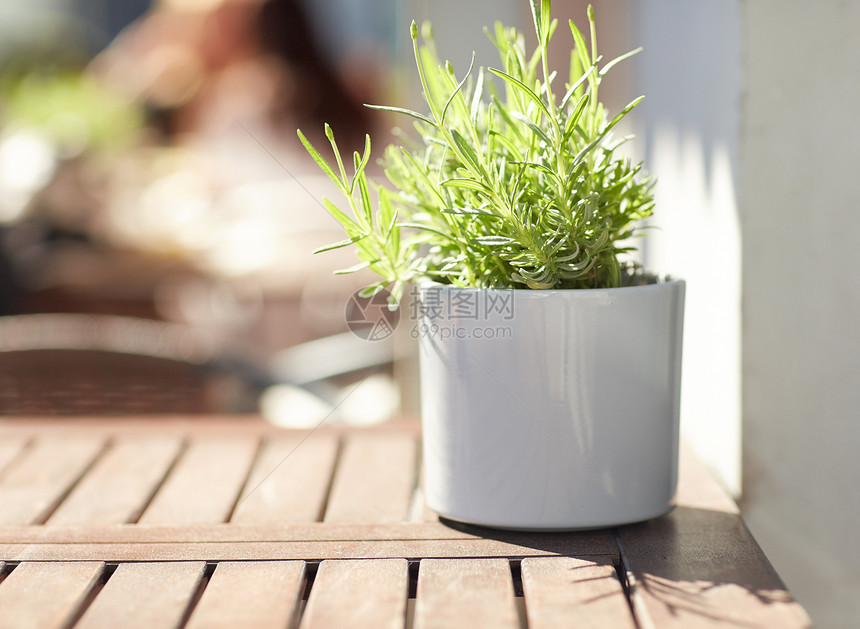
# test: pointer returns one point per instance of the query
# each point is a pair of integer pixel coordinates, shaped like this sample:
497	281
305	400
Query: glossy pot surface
550	409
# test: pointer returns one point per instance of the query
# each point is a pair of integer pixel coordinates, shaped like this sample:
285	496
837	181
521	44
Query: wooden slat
562	591
290	480
699	566
297	541
36	482
471	593
205	483
584	542
362	594
375	479
46	595
252	595
120	484
10	447
152	595
278	551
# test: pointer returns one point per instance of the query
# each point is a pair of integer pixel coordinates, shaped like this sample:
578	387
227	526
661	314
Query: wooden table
232	523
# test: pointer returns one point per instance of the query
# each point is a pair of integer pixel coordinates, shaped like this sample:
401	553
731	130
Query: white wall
752	128
690	73
800	190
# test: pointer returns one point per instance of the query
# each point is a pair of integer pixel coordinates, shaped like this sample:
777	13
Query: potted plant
550	368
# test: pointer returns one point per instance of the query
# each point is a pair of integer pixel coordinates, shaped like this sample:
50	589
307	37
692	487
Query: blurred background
149	168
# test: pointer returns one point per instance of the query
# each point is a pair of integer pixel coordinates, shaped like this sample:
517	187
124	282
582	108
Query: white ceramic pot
550	409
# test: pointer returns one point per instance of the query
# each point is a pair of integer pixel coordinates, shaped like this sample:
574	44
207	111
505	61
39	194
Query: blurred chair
73	364
82	364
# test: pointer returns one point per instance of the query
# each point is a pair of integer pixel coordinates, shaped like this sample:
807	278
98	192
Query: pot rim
663	283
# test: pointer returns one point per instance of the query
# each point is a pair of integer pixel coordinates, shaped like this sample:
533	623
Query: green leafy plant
510	185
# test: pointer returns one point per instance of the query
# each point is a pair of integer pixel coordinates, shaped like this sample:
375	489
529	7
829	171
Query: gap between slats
12	450
106	573
49	594
5	569
180	452
338	457
289	481
628	582
61	496
261	444
370	484
204	483
117	488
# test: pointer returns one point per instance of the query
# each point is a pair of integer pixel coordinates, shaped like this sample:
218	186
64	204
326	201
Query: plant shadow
704	563
690	563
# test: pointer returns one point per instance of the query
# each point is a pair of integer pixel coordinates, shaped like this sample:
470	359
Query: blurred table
230	522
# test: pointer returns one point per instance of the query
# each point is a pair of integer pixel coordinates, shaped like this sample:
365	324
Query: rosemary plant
511	186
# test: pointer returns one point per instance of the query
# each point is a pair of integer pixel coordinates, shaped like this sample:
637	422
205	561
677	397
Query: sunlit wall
687	126
750	123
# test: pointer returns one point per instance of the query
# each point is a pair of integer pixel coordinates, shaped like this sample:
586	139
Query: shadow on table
706	563
596	542
692	562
